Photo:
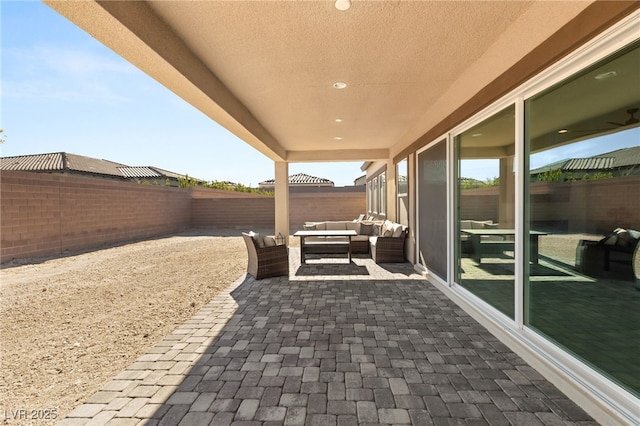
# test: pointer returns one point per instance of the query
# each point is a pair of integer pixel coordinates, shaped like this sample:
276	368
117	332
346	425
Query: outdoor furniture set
385	240
616	255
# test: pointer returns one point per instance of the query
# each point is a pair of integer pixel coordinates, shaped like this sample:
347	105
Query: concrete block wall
594	206
480	204
320	206
242	213
45	214
251	211
48	214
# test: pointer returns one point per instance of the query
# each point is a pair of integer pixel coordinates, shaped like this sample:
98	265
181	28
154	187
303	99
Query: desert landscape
69	324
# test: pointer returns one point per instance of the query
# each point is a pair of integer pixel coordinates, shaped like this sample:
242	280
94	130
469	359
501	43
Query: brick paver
332	344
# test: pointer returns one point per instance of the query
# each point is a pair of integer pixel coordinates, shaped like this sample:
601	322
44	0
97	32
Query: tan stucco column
392	190
282	199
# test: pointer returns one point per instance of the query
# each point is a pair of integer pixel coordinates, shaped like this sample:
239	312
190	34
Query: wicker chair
389	249
268	261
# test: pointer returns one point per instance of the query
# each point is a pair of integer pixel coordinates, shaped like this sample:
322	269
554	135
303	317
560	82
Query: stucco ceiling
265	69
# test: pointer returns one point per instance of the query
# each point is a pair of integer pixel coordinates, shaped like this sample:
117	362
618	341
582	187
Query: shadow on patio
382	347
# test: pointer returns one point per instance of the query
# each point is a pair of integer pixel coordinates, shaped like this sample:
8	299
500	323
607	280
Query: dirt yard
69	324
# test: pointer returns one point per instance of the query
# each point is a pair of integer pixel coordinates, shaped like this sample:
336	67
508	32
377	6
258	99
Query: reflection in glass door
583	145
485	210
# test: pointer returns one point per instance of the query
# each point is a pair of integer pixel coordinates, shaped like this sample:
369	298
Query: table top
326	233
497	232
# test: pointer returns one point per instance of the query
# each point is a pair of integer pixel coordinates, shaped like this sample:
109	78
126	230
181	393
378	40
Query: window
583	147
402	192
485	211
382	199
374	200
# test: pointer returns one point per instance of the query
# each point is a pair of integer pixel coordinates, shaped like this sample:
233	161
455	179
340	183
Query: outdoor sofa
614	256
385	240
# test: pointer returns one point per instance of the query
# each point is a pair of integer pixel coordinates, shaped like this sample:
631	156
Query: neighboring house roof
301	179
621	158
65	162
33	163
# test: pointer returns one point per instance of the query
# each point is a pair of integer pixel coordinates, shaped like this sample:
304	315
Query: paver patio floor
332	344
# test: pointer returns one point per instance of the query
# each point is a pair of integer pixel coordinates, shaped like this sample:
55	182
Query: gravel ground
69	324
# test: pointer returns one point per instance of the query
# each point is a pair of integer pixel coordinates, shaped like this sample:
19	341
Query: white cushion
479	224
269	241
397	230
336	226
354	226
257	238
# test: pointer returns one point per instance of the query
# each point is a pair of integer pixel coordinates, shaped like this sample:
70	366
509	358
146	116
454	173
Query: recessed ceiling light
338	120
605	75
561	131
337	138
475	135
339	85
343	4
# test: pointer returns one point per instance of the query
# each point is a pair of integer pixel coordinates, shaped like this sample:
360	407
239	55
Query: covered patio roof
266	70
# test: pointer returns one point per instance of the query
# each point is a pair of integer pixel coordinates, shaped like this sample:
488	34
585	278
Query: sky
63	91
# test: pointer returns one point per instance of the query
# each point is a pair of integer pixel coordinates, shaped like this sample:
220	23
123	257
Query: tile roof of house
62	161
139	172
40	162
302	179
624	157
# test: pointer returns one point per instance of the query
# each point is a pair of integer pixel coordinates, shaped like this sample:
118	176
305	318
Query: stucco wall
46	214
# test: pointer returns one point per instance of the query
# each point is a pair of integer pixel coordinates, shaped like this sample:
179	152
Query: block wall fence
592	206
49	214
45	214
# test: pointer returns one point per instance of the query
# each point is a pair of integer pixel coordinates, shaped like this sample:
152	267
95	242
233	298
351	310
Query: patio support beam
391	191
506	214
282	199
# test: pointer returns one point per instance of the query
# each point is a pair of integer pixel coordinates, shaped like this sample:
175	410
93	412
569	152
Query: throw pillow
258	239
397	230
269	241
624	238
310	227
387	228
366	228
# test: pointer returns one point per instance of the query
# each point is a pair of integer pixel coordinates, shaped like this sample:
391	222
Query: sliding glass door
485	210
583	199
